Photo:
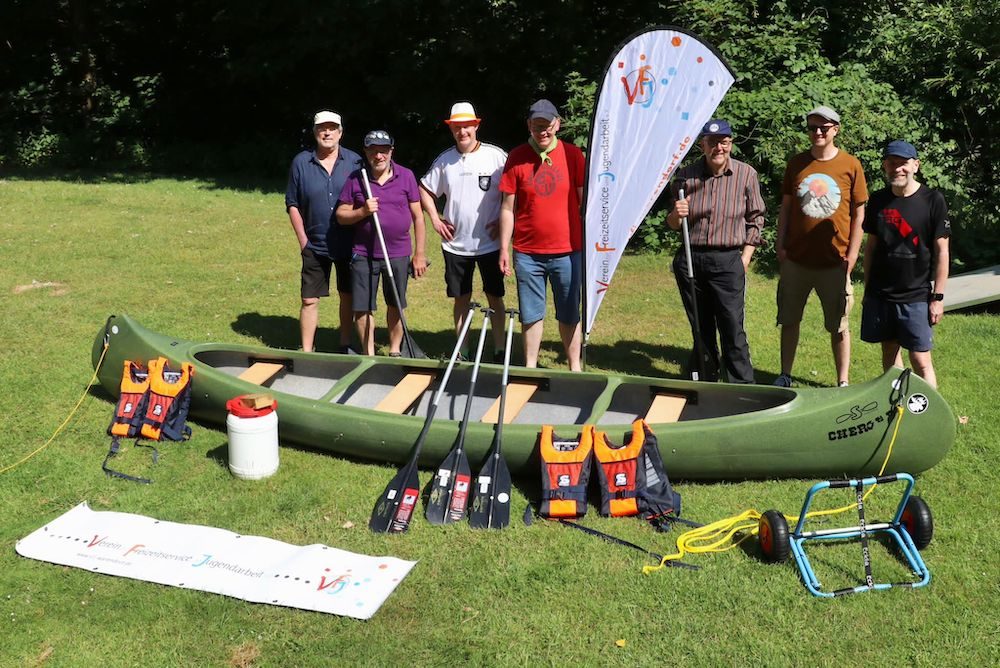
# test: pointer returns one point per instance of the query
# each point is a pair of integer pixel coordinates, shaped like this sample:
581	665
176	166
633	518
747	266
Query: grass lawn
211	262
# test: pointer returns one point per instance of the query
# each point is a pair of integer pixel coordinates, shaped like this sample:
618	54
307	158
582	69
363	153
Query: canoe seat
519	392
665	408
407	391
261	372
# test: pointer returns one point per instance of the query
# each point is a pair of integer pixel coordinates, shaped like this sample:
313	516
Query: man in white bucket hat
467	175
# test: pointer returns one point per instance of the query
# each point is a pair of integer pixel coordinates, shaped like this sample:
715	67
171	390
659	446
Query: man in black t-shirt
908	231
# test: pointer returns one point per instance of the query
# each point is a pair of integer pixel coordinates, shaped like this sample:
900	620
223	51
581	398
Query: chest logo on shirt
907	236
484	182
546	180
819	196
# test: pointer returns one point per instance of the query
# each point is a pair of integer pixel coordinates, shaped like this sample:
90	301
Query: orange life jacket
565	473
131	401
632	476
169	399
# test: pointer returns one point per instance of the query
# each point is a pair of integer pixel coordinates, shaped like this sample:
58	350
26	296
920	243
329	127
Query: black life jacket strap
114	450
572	493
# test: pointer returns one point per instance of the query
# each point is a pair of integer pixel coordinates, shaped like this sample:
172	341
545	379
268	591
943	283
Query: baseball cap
378	138
717	126
826	112
543	109
901	149
326	117
463	112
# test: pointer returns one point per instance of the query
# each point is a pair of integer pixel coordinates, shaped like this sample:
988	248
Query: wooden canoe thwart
374	407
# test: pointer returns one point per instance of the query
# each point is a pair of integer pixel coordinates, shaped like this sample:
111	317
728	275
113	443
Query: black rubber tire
918	521
772	536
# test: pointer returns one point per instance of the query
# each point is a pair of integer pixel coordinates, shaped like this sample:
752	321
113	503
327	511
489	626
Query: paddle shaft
495	456
442	511
395	491
699	370
407	341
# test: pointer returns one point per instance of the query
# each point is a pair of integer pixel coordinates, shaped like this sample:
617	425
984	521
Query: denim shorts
908	324
562	271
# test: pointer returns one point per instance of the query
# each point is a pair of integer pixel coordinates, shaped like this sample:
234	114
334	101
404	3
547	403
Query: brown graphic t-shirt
824	194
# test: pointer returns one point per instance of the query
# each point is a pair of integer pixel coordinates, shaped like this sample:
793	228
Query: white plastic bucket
253	440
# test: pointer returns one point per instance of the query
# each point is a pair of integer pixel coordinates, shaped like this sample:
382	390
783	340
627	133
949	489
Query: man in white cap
468	176
908	230
542	186
819	238
315	180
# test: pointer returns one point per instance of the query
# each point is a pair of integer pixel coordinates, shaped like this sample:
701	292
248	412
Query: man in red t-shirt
542	187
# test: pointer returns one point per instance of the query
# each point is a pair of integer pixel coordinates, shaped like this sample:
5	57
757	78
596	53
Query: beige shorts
832	286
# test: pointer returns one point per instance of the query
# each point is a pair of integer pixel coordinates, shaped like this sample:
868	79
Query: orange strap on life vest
565	473
169	395
131	401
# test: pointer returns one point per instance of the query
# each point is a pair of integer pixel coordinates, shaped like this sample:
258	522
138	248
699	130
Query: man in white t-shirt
468	176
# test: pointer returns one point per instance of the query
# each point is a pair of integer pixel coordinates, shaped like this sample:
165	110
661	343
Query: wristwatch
937	297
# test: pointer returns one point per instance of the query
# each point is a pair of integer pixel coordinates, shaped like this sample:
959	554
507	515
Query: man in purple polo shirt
315	180
396	199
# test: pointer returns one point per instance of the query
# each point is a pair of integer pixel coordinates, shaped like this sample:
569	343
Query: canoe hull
726	432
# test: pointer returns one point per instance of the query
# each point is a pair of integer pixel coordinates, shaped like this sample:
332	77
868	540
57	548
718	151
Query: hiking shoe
784	380
842	383
395	354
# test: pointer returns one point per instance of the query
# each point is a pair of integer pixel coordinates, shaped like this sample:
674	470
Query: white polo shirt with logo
470	182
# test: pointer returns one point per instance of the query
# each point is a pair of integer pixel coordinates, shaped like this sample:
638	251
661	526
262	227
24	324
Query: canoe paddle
394	508
410	348
491	495
698	373
450	488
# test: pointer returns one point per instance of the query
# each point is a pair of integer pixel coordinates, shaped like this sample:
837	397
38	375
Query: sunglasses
822	129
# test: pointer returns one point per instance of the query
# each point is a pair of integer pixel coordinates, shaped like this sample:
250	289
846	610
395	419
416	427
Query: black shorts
316	271
365	275
315	274
458	271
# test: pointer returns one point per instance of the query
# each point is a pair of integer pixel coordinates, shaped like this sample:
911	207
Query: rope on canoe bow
730	532
69	417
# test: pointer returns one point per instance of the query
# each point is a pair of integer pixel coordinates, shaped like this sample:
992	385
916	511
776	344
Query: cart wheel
772	534
918	521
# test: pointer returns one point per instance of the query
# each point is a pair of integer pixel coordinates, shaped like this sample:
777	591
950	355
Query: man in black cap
908	231
542	187
725	213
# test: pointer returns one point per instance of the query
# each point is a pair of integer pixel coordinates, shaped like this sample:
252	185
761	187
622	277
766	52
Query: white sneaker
842	383
784	380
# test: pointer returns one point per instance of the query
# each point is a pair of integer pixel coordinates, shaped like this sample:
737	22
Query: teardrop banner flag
660	88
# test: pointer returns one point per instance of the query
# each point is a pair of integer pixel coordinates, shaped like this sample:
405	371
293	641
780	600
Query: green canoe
708	431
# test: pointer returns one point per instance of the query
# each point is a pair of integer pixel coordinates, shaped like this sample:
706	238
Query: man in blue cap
725	213
908	231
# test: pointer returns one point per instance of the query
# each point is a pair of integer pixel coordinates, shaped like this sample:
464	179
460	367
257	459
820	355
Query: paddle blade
394	508
409	348
491	494
450	489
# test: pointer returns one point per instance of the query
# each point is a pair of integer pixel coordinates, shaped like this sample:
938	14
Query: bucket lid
236	407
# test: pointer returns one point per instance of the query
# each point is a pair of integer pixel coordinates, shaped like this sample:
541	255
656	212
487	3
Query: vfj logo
640	84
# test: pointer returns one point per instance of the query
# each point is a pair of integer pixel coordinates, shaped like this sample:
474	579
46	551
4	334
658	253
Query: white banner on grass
660	89
260	570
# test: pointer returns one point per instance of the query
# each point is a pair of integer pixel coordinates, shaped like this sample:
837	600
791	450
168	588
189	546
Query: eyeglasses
724	143
822	129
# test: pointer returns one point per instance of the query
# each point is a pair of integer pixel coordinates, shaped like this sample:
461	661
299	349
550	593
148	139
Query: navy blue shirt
314	193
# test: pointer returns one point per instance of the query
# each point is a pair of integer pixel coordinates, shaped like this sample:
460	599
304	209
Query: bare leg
890	355
308	320
571	334
789	344
841	344
346	318
395	325
532	334
365	322
922	365
497	320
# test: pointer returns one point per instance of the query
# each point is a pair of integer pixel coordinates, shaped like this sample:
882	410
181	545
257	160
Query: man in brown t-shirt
819	238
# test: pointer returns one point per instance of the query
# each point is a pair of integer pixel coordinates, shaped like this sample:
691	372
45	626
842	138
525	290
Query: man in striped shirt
725	213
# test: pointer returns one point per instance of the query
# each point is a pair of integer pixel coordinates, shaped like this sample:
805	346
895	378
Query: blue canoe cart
910	530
